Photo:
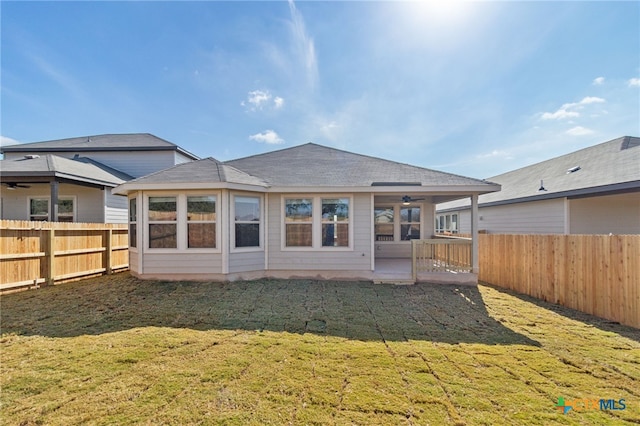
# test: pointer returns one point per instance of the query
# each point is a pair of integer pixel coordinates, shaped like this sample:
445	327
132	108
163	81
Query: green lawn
117	350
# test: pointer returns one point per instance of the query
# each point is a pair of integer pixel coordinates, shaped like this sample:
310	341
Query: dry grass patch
120	350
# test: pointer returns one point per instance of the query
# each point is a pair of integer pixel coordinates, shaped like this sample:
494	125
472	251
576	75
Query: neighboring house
306	211
78	175
595	190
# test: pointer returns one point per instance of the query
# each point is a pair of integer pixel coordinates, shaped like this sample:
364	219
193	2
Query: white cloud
634	82
598	81
5	141
568	110
258	100
579	131
303	44
268	136
495	154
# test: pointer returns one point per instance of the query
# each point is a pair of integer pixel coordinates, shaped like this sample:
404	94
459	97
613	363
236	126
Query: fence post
51	273
108	250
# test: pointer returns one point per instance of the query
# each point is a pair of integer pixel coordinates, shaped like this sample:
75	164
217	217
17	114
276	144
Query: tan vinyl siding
326	259
535	217
182	263
615	214
244	262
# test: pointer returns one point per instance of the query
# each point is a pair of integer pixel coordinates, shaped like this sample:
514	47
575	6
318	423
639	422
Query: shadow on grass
353	310
592	320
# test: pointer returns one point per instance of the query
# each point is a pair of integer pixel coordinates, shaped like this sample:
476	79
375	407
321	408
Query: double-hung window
298	222
39	209
201	221
317	222
335	222
163	216
247	221
133	222
410	223
383	218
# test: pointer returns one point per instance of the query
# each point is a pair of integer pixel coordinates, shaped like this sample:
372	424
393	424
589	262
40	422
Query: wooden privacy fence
596	274
440	255
34	253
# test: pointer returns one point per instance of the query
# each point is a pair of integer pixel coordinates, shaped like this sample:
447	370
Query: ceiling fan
406	200
13	185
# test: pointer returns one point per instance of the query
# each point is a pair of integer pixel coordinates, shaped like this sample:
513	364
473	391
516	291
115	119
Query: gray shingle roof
79	169
316	165
607	166
207	170
110	142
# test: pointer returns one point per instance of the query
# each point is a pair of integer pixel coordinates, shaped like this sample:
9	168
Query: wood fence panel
596	274
34	253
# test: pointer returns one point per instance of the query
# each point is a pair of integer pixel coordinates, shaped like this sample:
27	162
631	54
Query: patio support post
475	265
53	214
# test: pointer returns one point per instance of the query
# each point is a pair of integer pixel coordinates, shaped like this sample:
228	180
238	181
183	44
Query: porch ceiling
427	198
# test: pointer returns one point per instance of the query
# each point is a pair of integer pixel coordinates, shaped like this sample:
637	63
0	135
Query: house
595	190
305	211
78	175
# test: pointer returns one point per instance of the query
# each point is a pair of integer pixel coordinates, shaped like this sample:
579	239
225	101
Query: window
447	223
335	222
201	221
39	209
298	222
383	221
133	225
409	223
247	221
163	216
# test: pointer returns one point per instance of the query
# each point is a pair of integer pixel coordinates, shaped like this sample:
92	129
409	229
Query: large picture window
247	221
335	222
163	216
298	222
201	221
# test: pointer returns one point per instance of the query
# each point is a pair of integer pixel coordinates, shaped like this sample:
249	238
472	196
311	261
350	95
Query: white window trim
285	223
181	222
48	198
232	223
136	222
217	248
316	223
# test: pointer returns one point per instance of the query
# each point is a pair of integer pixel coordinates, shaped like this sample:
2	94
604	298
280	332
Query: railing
440	255
35	253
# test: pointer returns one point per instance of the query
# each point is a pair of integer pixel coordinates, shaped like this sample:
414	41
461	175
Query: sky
475	88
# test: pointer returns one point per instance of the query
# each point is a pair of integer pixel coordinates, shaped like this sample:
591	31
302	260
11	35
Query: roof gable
316	165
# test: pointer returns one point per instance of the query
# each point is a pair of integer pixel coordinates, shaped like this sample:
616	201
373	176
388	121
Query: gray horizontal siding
182	263
116	209
615	214
244	262
536	217
323	260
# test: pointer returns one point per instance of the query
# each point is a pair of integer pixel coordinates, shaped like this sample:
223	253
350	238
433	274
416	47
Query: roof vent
31	156
573	169
542	188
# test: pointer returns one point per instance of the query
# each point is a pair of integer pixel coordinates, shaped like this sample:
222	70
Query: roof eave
128	187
